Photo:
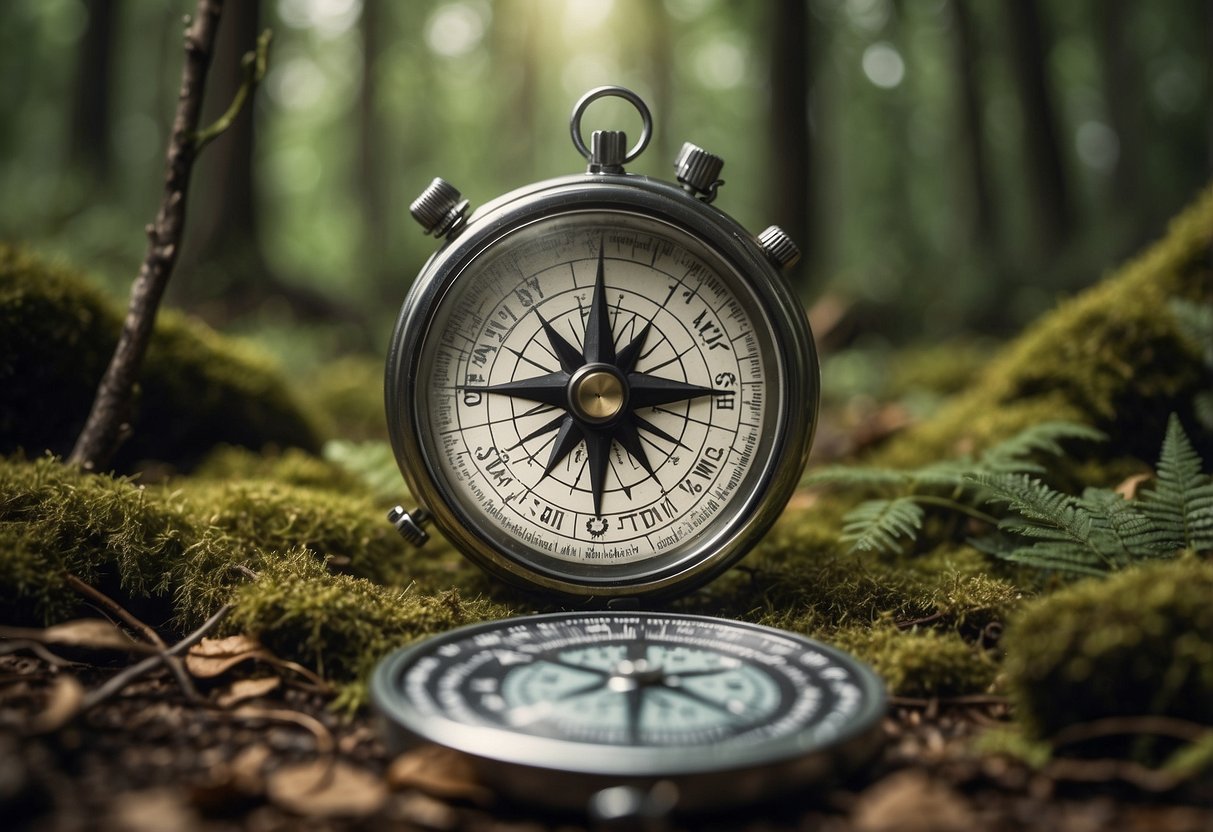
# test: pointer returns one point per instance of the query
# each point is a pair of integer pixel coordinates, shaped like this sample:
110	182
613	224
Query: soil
153	758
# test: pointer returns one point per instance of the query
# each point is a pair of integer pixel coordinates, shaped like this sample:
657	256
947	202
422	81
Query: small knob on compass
698	171
778	247
440	208
410	524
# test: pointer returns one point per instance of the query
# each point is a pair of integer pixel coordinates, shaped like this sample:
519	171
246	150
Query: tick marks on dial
600	391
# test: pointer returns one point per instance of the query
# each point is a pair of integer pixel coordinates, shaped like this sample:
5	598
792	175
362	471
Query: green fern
1195	322
886	525
1101	530
879	524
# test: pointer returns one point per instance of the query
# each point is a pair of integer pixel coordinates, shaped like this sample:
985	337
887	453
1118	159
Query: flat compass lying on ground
601	390
555	709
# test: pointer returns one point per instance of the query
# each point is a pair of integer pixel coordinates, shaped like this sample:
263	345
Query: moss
174	551
1112	357
920	662
290	466
342	625
348	393
1137	643
197	388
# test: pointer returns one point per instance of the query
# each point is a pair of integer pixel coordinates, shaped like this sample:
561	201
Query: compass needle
568	355
599	342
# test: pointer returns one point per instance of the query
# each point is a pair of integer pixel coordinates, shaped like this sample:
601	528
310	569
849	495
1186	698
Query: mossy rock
1112	357
197	388
1134	644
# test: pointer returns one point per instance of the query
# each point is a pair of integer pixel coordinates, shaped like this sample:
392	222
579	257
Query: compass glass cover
598	390
649	693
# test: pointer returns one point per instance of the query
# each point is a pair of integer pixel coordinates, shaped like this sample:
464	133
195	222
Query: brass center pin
596	394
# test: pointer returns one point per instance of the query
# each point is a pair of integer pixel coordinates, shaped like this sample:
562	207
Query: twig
253	64
1104	770
968	700
121	680
173	663
1165	726
109	418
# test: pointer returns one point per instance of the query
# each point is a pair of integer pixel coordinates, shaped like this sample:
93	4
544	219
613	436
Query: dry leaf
243	689
910	801
1131	485
215	656
95	633
324	738
66	696
326	789
441	772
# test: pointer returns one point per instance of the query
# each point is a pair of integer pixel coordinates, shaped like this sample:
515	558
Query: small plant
886	524
1195	321
1101	530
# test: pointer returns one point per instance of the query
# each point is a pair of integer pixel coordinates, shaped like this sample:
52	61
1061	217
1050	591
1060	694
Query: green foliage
877	524
1134	644
371	463
197	388
1101	530
883	524
1195	321
1113	357
179	552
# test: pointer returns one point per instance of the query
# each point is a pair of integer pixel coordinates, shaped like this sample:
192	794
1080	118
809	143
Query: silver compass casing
794	352
562	772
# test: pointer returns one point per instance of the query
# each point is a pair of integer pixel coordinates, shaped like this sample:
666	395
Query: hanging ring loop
635	100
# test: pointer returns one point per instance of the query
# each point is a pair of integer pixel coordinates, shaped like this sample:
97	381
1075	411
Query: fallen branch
117	682
109	419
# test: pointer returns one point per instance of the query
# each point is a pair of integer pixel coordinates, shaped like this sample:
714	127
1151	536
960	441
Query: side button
410	524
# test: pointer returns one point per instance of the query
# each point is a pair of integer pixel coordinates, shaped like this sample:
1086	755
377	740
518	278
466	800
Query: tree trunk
223	249
791	148
978	202
92	99
372	184
1049	193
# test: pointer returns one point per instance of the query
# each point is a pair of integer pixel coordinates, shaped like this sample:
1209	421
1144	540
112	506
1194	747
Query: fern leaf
879	524
858	477
1073	559
1011	455
1178	503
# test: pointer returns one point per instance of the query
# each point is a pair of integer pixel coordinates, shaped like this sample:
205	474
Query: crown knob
698	171
440	208
778	247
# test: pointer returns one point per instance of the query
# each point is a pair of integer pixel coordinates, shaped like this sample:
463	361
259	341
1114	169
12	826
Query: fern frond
1033	500
1010	455
1073	558
858	477
878	524
1180	501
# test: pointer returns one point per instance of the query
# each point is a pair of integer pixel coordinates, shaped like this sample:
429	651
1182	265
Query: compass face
639	695
600	391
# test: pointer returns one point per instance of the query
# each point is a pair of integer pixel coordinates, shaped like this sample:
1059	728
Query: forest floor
152	758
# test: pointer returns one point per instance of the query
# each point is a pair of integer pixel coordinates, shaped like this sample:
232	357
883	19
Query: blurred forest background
950	167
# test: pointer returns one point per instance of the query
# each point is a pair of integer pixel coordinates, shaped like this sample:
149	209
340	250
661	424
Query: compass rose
599	392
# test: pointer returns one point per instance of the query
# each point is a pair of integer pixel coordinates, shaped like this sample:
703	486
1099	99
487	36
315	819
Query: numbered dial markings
600	386
631	681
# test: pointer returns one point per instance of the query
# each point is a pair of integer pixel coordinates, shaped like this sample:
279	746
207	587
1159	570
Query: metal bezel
560	772
664	203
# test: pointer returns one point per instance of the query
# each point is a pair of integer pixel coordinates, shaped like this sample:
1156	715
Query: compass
600	387
556	709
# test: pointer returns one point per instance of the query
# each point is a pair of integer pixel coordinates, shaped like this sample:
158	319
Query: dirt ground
251	750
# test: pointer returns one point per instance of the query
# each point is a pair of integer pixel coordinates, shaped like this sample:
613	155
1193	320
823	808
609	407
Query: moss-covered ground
296	541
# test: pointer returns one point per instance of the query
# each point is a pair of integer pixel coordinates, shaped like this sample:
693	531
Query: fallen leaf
1131	485
441	772
326	789
910	801
324	738
215	656
243	689
66	697
151	811
96	633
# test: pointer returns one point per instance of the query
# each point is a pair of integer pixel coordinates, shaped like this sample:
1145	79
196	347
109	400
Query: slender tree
92	97
978	202
791	141
1049	192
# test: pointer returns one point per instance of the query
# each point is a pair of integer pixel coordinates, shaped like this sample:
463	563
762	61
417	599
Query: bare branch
109	420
